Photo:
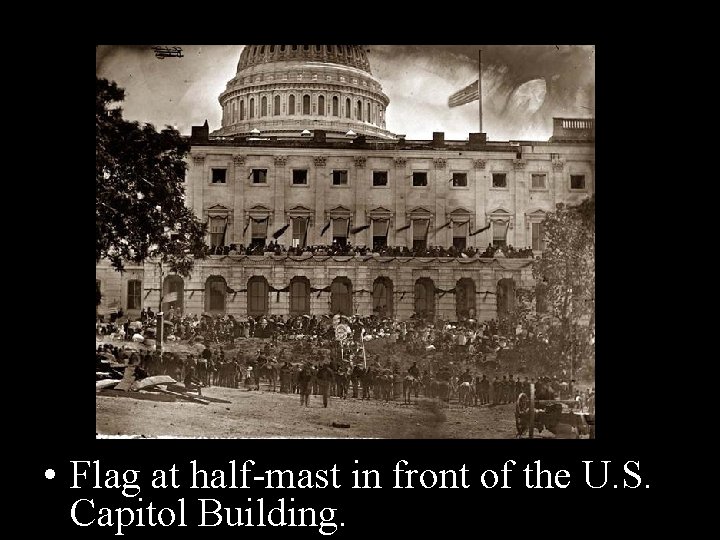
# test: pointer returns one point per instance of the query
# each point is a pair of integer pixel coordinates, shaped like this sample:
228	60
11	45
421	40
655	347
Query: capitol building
303	145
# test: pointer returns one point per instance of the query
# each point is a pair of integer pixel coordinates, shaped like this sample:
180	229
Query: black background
631	366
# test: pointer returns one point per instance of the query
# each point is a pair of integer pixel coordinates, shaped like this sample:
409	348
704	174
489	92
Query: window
215	290
299	296
383	297
218	227
291	105
262	49
425	298
306	104
276	106
263	106
321	106
358	112
577	181
294	47
419	179
134	292
499	180
218	176
420	229
460	231
299	231
257	292
538	237
259	232
341	296
380	178
380	233
252	108
459	179
234	112
242	109
318	48
500	230
282	48
272	48
335	106
306	47
367	113
347	108
259	176
299	177
537	181
340	178
340	228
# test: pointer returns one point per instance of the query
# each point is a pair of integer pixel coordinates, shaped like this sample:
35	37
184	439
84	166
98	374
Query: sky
524	86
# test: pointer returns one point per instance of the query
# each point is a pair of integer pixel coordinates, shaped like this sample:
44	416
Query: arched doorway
425	298
383	297
173	294
465	299
505	297
299	296
257	296
215	294
341	296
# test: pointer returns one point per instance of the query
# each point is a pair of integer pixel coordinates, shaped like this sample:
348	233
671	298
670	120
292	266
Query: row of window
341	295
380	178
236	110
379	232
331	49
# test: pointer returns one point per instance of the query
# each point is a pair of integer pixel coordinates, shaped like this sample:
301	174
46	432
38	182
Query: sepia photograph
345	241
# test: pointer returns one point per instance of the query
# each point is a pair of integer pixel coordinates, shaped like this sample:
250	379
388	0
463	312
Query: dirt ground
236	413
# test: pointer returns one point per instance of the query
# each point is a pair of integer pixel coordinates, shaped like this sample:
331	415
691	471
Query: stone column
240	174
440	189
321	185
400	185
486	301
279	302
516	237
481	189
446	304
281	184
198	182
404	303
362	282
359	217
557	187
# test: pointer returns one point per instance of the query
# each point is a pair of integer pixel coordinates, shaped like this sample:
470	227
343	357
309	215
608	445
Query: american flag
466	95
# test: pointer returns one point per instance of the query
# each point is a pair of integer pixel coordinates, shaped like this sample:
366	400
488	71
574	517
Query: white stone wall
239	195
361	271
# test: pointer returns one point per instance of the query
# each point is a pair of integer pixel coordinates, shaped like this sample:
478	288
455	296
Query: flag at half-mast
467	95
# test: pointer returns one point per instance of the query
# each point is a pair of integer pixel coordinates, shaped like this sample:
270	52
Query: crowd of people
491	355
348	249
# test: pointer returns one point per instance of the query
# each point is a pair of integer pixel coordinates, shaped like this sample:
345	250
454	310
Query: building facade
303	146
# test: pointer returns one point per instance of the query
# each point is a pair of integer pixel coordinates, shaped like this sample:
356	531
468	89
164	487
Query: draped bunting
277	234
355	230
485	228
442	227
403	227
326	227
319	291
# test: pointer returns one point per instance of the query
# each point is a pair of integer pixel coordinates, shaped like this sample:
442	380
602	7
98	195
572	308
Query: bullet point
49	474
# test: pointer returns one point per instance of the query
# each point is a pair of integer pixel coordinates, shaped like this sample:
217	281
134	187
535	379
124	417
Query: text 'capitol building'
303	143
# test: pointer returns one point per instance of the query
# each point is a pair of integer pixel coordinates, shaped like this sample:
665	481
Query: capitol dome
285	89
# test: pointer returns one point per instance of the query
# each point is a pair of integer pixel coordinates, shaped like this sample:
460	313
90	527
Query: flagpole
480	87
